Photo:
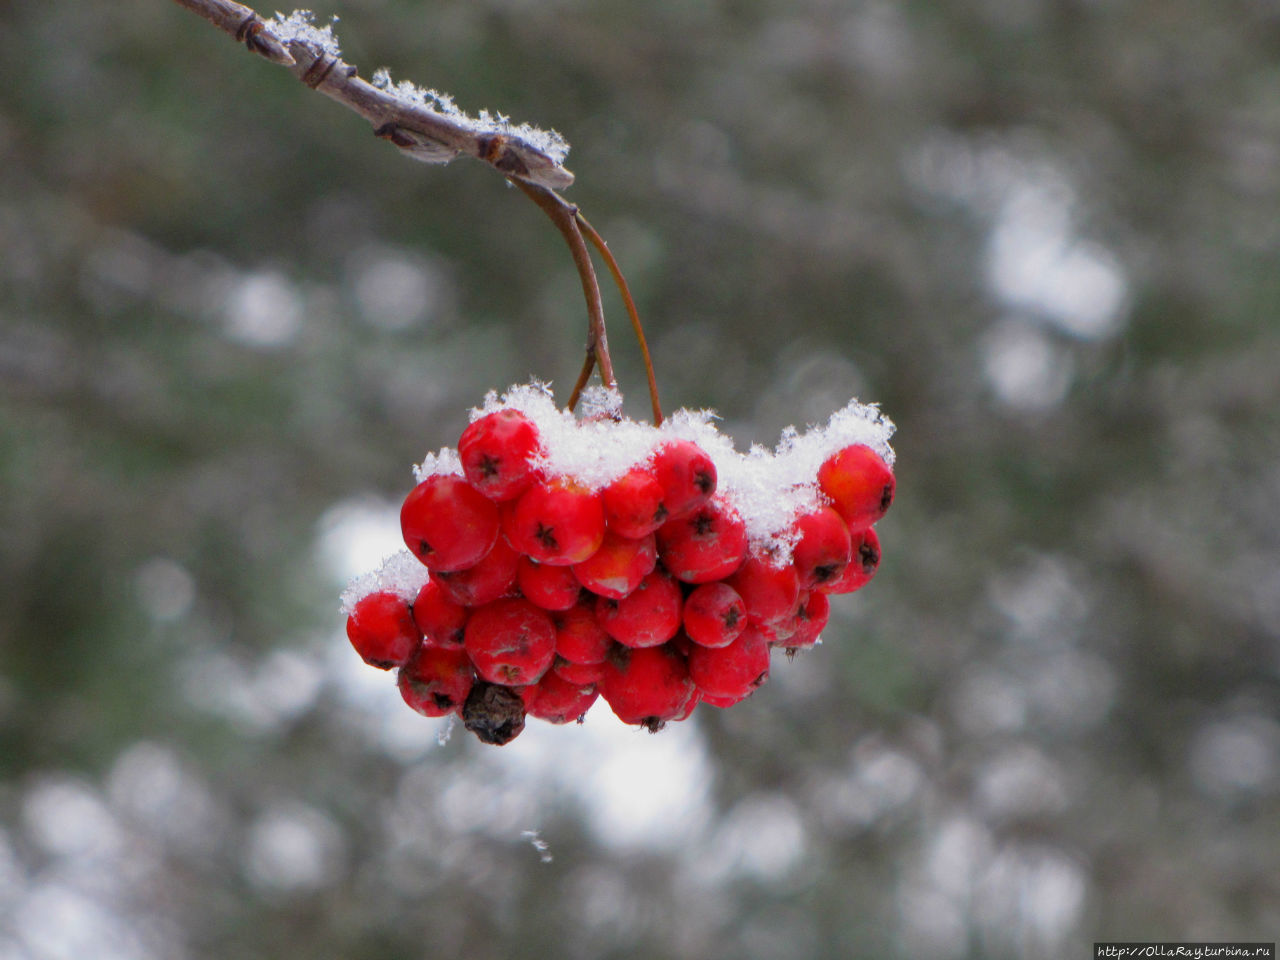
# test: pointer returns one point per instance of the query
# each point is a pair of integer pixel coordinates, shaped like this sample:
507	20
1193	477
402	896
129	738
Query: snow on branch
423	123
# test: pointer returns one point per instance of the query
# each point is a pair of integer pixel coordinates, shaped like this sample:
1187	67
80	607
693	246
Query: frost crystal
300	26
535	839
547	142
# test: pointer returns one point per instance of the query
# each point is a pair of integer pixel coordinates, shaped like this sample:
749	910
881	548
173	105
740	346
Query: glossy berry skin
493	577
618	566
648	686
510	641
866	561
579	636
497	453
714	615
686	474
447	524
560	523
860	485
438	616
633	504
382	630
769	593
546	586
647	617
436	680
824	549
557	700
708	543
734	670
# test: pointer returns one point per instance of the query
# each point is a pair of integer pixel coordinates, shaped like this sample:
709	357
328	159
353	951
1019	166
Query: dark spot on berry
869	557
827	571
764	675
704	523
381	664
653	724
731	617
489	466
886	497
495	714
425	549
705	481
546	536
660	514
443	701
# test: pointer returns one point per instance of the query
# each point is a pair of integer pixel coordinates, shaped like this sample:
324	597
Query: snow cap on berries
401	574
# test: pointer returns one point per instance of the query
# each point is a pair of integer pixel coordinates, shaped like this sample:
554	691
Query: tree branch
408	122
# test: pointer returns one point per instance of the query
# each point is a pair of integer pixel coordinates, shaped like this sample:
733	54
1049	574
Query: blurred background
1043	234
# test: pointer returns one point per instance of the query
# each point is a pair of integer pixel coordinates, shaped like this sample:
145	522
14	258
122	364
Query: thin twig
565	216
629	302
419	131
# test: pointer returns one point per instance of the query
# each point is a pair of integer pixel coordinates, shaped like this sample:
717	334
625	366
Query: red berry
648	687
722	702
548	587
437	680
866	560
440	619
561	522
714	615
557	700
686	474
824	548
618	566
497	453
647	617
769	593
579	673
810	620
709	543
510	641
579	636
491	578
382	630
633	504
860	485
732	671
447	524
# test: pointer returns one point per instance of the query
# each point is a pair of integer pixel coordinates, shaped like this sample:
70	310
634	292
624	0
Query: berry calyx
381	629
860	484
447	524
436	681
497	453
810	620
560	522
510	641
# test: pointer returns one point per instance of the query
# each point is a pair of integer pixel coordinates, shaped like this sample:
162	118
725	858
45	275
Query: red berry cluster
539	589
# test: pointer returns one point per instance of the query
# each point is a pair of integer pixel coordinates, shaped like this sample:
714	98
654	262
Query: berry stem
629	302
566	218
